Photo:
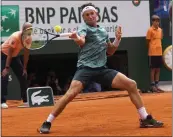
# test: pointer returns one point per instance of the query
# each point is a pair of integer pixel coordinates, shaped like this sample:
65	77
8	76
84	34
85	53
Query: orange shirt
155	44
13	41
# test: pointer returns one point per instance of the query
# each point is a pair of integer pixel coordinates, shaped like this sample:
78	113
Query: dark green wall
137	60
138	68
13	88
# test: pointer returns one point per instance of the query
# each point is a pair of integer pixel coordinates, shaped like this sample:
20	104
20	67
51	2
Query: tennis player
10	50
94	46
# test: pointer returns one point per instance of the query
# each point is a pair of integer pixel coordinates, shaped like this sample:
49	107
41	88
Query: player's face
90	17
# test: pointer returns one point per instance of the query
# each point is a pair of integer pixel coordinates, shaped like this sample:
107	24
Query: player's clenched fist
118	33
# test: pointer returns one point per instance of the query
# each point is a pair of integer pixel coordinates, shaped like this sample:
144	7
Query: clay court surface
92	114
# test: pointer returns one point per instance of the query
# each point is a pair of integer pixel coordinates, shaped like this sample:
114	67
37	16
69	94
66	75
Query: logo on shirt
9	19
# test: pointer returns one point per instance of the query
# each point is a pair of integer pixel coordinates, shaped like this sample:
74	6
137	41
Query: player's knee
75	88
132	85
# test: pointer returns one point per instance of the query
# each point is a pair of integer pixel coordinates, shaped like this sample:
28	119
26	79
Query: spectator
53	82
32	80
161	9
92	87
154	44
10	58
67	85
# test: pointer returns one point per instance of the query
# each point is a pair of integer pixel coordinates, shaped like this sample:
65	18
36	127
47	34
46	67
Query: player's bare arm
112	47
79	40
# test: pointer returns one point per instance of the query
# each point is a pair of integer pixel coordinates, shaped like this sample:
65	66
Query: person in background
67	84
53	82
92	87
10	50
154	45
161	9
32	80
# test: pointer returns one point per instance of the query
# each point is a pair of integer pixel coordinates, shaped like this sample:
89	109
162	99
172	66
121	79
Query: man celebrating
9	58
94	46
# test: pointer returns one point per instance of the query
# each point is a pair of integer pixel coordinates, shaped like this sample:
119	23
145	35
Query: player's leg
75	88
122	82
118	80
17	68
81	77
4	82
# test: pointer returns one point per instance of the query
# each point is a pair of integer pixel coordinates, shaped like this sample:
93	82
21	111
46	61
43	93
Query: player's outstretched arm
79	40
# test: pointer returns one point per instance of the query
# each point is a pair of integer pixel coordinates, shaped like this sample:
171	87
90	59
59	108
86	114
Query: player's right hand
74	36
5	72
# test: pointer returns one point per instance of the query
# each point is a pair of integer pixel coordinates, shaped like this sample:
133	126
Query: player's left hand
24	72
118	33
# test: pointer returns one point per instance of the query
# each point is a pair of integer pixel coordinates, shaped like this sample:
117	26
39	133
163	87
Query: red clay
102	117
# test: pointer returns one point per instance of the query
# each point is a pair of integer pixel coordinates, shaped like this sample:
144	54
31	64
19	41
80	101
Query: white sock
50	118
143	113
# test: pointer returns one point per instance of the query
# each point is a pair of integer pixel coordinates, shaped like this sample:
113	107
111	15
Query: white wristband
116	42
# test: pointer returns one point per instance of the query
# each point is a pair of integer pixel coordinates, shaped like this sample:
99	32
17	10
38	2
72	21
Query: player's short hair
87	4
155	17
